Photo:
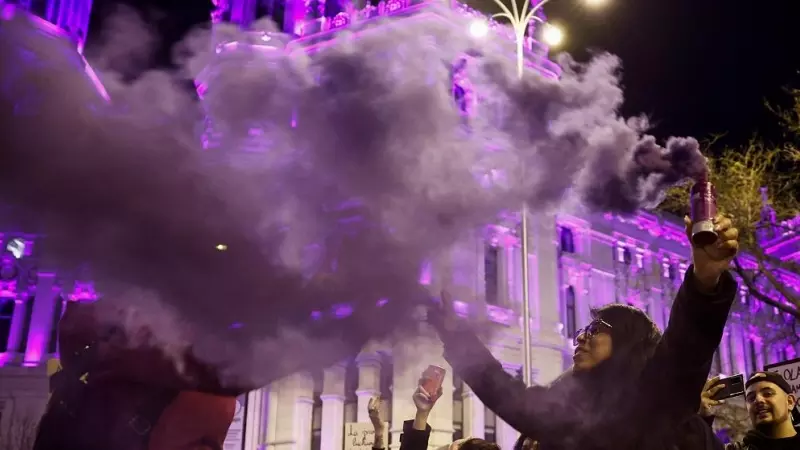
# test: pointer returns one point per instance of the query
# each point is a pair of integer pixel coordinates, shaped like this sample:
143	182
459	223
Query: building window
7	306
732	354
489	425
26	326
350	387
717	363
570	313
387	379
316	414
783	355
458	408
52	347
672	272
752	356
491	275
627	258
567	241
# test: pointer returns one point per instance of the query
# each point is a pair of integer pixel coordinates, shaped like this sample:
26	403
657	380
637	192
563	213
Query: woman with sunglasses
629	388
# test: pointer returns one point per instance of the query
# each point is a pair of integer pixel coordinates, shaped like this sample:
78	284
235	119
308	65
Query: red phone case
432	379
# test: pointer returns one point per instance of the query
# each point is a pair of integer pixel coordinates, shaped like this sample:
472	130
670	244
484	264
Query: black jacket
654	407
412	439
754	440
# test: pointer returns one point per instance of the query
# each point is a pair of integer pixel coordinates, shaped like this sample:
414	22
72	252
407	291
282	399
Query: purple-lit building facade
576	262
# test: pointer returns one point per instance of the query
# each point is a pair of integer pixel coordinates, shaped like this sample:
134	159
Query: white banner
235	438
790	371
361	436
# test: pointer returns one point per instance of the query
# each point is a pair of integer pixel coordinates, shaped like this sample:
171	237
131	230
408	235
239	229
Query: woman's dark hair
634	337
478	444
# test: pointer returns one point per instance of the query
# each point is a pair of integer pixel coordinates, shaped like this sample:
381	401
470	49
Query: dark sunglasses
589	331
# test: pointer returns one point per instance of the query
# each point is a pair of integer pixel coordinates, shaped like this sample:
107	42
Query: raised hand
374	411
423	400
714	259
707	401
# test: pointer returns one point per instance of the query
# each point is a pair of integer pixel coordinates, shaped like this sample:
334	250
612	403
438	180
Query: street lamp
552	35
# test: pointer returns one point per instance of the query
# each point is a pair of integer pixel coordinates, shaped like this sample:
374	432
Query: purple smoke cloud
127	187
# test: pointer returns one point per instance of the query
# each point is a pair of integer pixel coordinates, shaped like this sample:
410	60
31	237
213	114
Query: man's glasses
589	331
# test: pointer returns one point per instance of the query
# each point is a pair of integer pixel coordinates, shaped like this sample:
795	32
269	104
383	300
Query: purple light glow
382	302
426	273
83	292
342	311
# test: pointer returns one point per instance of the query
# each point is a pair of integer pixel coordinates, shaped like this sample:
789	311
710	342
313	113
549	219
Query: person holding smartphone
769	401
416	432
629	388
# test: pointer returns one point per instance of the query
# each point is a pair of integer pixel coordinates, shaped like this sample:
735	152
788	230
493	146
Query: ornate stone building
576	263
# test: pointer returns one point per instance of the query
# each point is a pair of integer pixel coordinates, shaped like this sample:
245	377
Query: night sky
696	67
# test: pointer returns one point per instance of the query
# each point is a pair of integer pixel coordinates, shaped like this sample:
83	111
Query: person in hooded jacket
630	388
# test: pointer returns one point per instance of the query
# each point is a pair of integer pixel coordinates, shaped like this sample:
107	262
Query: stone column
257	418
473	419
548	345
270	423
47	291
332	434
304	412
369	381
293	414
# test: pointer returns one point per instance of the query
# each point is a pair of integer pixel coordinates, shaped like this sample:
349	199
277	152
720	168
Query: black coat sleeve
675	375
528	410
412	439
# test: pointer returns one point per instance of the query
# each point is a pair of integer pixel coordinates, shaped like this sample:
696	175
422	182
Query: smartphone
432	379
734	386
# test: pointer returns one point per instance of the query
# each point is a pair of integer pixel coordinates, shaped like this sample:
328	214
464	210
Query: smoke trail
127	187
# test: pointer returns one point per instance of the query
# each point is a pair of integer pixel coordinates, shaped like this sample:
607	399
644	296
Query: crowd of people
631	387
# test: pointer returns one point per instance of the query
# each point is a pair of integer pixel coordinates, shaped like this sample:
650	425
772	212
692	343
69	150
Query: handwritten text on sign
361	436
790	371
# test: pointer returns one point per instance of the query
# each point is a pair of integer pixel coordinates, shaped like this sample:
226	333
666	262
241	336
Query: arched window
570	313
491	275
567	241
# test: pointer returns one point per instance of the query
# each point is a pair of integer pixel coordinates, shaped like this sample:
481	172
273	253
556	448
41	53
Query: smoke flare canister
703	200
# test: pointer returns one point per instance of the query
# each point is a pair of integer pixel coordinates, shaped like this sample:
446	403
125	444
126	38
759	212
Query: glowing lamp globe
478	28
552	35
